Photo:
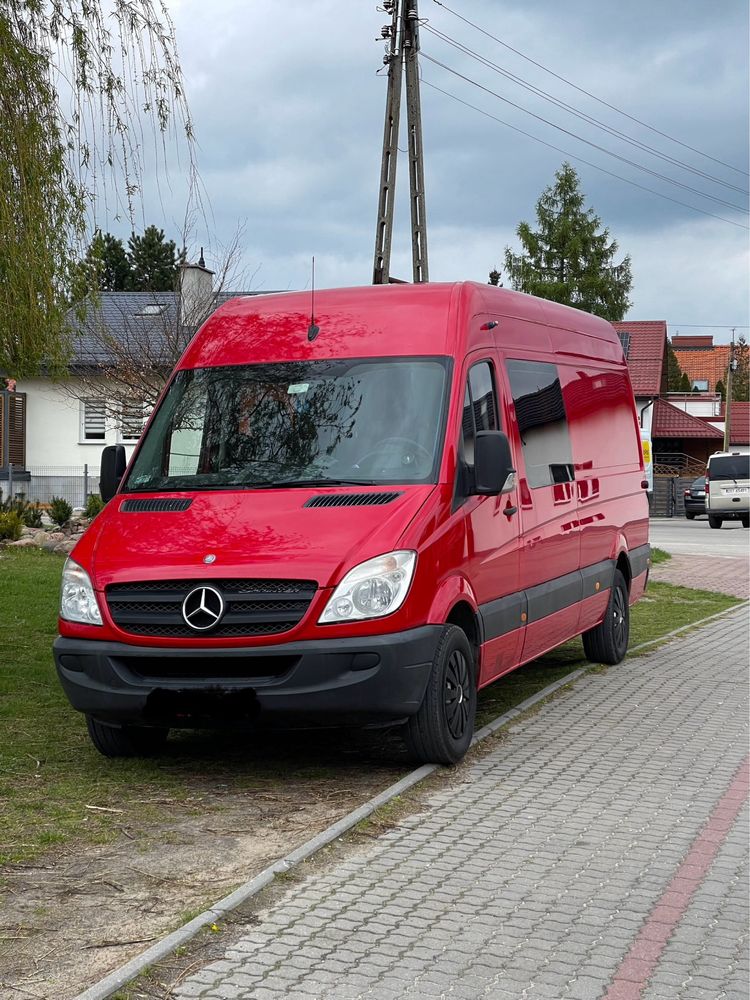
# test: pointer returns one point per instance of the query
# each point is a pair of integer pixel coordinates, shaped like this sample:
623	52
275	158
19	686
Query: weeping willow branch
83	83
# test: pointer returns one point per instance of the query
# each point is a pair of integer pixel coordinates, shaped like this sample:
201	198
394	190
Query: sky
288	105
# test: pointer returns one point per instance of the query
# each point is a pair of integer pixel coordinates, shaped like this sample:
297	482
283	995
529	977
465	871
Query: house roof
704	363
646	355
145	323
739	419
670	422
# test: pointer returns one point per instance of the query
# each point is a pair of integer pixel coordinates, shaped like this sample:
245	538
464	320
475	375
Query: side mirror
113	468
493	464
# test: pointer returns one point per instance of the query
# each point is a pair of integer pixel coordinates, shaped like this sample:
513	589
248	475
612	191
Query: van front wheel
441	730
608	642
126	741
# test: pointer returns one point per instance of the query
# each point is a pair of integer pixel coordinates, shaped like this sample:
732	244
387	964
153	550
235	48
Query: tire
608	642
689	515
126	741
442	729
715	522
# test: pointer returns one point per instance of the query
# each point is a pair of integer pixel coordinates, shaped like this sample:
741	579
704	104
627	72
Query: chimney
196	292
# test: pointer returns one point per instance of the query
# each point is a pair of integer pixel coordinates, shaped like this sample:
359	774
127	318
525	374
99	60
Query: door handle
509	511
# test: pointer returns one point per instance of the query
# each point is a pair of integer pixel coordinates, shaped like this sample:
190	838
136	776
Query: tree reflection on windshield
352	421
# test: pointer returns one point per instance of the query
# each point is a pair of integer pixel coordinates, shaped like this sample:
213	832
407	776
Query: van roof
379	320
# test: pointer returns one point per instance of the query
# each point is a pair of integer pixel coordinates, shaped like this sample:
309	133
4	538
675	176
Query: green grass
659	556
49	772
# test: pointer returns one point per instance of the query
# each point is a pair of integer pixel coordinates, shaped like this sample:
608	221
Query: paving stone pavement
724	574
534	875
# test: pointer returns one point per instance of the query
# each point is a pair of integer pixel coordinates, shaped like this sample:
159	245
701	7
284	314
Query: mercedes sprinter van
362	518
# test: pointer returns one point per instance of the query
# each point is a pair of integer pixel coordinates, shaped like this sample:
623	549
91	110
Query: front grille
352	499
208	667
251	607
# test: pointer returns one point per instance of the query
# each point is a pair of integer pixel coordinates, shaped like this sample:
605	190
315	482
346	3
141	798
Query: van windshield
359	421
729	467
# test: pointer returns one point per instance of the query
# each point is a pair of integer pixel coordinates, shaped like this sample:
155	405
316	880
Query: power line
588	142
580	159
581	90
584	116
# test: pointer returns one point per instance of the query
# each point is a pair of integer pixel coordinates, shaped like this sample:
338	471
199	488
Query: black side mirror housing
113	468
493	464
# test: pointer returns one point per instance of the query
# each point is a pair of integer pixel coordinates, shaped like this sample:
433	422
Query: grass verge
54	787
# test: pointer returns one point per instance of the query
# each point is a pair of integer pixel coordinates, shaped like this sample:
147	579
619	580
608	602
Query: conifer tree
569	258
153	261
108	263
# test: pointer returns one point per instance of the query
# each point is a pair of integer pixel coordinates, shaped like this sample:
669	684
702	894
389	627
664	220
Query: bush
30	514
11	525
94	505
60	511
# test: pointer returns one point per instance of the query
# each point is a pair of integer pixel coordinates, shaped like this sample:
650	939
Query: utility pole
403	53
728	408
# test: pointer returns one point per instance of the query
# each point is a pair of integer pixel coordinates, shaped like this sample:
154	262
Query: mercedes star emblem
203	608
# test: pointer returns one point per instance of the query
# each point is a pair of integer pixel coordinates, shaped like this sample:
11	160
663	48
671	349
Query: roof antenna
312	330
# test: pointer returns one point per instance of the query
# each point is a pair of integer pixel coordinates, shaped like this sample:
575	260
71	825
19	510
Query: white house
52	432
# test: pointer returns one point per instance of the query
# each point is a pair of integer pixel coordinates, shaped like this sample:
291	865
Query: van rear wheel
608	642
715	522
442	729
126	741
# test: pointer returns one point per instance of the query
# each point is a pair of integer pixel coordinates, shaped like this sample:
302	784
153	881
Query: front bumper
373	679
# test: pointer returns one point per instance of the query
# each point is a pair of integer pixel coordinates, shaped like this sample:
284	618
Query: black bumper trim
369	679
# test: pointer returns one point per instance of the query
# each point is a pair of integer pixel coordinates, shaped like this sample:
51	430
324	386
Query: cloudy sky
288	109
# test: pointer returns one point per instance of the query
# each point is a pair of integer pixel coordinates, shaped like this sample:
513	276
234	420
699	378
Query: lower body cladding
376	679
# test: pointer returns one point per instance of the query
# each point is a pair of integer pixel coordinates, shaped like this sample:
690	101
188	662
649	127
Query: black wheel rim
620	619
457	695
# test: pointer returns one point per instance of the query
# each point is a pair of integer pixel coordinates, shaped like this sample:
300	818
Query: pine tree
568	258
494	277
153	261
107	260
684	383
721	389
674	372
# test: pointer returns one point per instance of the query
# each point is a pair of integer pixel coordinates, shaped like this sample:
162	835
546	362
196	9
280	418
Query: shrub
94	505
32	515
11	525
60	511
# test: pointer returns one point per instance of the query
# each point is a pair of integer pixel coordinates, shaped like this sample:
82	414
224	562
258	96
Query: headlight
373	589
77	600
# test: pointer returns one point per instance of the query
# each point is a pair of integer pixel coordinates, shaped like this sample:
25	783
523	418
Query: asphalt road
678	536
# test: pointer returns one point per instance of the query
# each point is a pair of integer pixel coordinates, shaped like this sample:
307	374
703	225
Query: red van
361	518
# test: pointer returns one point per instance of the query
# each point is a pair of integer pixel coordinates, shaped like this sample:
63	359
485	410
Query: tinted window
729	467
542	422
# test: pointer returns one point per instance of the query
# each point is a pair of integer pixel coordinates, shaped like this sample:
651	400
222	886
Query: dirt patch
82	911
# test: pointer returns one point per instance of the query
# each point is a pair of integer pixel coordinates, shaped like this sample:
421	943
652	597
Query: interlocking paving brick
534	876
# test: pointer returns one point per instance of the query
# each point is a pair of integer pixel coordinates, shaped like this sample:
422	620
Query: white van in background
728	488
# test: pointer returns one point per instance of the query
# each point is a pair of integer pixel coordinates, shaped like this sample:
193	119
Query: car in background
728	488
695	498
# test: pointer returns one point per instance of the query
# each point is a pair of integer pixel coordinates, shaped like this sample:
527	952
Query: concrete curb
163	948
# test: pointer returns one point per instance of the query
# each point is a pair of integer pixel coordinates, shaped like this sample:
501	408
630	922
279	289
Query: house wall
53	426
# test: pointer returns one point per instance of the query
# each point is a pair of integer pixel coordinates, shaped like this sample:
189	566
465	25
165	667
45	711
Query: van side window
480	414
542	422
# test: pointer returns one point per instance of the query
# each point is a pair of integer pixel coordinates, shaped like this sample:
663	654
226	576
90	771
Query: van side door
491	534
550	557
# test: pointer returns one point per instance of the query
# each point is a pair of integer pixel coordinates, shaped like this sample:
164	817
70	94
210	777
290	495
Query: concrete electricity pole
403	33
728	407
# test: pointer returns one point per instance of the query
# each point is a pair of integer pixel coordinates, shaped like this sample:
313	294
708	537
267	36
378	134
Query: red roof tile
739	418
648	345
669	422
700	363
